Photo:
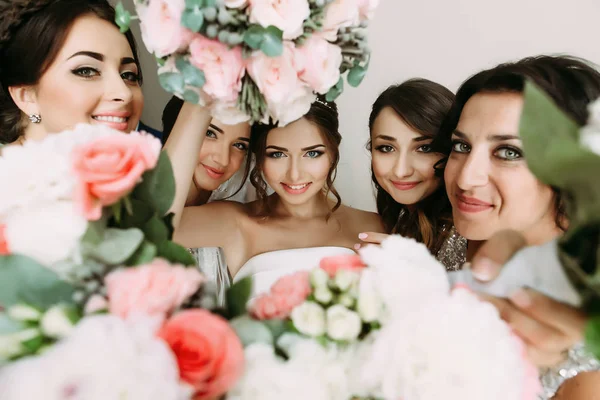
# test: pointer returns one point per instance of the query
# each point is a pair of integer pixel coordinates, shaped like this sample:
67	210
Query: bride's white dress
268	267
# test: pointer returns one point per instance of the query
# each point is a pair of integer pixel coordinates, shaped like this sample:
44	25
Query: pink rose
321	62
95	304
4	251
332	265
209	353
109	167
340	14
531	387
367	9
286	294
295	106
236	3
155	289
161	26
223	67
287	15
276	77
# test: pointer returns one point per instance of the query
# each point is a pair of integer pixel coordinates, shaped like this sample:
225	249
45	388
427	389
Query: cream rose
287	15
321	62
340	14
309	319
343	324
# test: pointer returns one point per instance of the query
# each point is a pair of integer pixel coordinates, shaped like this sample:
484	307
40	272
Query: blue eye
314	154
508	153
240	146
276	154
384	148
211	134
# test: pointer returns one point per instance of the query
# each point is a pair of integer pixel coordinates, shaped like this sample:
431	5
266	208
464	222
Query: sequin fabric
453	254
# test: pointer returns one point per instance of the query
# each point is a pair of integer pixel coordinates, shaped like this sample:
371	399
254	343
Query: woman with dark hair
65	62
491	188
411	199
288	230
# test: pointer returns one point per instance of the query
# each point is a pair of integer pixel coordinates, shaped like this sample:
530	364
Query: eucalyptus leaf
253	36
192	75
193	19
143	255
122	17
8	325
25	281
172	82
251	331
118	245
191	97
356	75
335	91
238	296
175	253
94	233
272	41
592	336
277	327
190	4
157	188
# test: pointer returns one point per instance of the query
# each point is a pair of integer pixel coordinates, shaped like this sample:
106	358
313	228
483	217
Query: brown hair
422	105
323	115
32	32
571	82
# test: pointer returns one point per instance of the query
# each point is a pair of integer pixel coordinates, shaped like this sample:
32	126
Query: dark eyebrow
127	60
277	148
501	138
459	134
385	137
216	128
313	147
100	57
244	139
422	138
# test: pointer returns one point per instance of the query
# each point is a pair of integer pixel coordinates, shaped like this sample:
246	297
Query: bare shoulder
584	386
361	220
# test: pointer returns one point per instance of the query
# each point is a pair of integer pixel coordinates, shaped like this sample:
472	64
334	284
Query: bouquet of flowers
255	60
566	269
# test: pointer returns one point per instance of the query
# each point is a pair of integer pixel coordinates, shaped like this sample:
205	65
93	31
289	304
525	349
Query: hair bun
14	13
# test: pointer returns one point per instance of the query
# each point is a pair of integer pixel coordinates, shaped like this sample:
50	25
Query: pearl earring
35	118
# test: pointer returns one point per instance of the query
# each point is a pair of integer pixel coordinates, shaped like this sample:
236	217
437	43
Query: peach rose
287	15
367	8
276	77
209	353
332	265
109	167
286	294
160	23
155	289
223	67
340	14
3	242
321	62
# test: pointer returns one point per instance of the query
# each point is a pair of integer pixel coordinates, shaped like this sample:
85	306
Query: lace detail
453	253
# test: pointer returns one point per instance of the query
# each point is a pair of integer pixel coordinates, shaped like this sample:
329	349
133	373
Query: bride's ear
25	98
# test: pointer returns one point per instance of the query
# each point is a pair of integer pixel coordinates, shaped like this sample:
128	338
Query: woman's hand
370	238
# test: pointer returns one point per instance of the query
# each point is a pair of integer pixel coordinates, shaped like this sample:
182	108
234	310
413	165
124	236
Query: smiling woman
80	69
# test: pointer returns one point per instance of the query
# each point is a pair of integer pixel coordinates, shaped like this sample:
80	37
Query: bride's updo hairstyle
32	32
323	115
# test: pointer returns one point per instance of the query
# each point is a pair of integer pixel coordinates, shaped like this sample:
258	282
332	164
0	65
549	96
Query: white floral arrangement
255	60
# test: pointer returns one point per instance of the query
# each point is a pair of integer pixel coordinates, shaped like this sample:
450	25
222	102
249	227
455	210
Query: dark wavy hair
323	115
422	105
571	82
32	32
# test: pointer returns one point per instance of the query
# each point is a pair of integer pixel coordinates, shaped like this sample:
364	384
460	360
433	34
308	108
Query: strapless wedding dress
268	267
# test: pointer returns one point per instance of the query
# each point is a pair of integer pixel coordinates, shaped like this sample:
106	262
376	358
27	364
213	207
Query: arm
183	148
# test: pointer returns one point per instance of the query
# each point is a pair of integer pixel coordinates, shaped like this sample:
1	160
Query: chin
471	231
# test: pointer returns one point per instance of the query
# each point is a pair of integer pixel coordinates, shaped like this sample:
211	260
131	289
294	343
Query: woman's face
402	160
487	179
94	80
223	151
297	162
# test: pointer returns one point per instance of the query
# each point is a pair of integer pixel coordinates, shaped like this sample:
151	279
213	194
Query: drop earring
35	118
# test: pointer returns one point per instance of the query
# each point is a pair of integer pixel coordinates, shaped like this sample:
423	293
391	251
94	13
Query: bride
290	230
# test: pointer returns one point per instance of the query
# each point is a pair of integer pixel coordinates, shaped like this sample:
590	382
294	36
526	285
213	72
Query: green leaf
94	233
335	91
194	4
592	336
24	280
118	245
192	75
251	331
191	97
253	36
161	61
175	253
8	325
356	75
157	188
143	255
155	230
193	19
277	327
122	17
117	211
272	42
142	212
238	296
172	82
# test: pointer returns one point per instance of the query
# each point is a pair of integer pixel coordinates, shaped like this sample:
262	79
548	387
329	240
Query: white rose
297	105
343	324
319	278
590	138
24	312
287	15
228	113
58	322
323	295
48	233
10	344
345	279
346	300
309	319
369	305
321	62
235	3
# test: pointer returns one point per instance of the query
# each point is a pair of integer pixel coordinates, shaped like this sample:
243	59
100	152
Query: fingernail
520	298
362	236
357	247
484	269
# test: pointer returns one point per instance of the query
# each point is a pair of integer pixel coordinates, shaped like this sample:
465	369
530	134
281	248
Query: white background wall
442	40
